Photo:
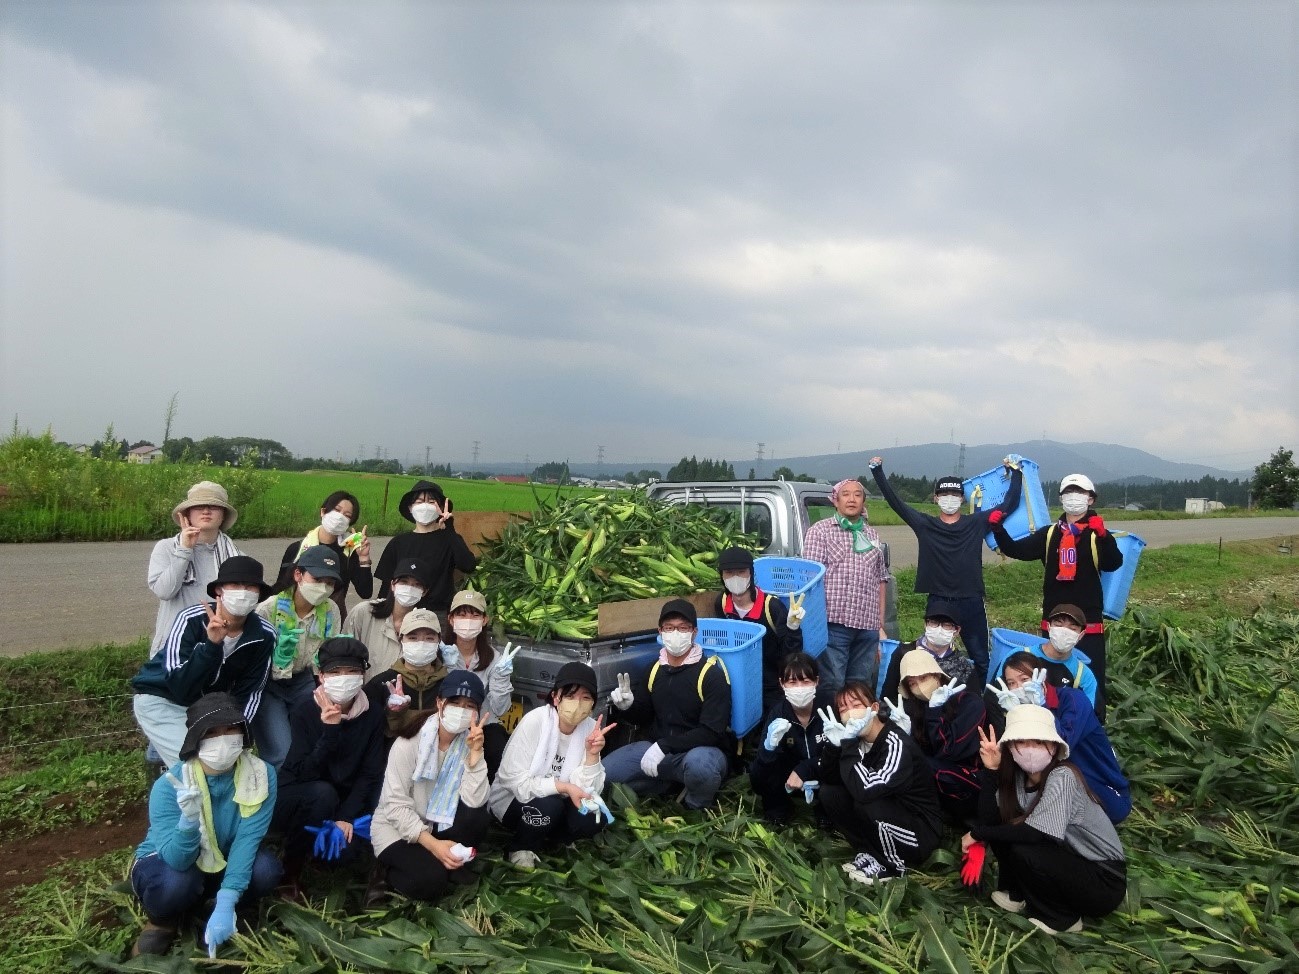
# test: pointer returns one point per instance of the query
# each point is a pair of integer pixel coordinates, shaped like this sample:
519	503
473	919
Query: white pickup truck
779	512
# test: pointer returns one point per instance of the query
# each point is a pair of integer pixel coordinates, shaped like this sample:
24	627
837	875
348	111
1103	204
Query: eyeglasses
683	627
945	626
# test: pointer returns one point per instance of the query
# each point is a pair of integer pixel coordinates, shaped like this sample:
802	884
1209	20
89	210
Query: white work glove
796	611
1007	699
189	799
943	694
463	852
397	696
649	762
1034	691
775	731
451	657
505	662
900	718
621	697
835	732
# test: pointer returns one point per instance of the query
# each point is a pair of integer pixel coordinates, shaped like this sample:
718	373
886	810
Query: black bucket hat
209	711
342	651
576	673
245	571
462	683
421	487
734	558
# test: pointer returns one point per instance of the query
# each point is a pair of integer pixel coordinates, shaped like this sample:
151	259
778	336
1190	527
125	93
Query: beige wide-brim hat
1028	722
918	662
203	493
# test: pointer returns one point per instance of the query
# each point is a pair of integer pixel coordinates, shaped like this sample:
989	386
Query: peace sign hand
188	533
505	664
794	618
217	627
330	712
989	749
475	736
398	699
595	739
621	696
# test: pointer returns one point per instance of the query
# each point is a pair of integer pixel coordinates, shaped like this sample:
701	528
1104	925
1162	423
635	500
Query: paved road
54	596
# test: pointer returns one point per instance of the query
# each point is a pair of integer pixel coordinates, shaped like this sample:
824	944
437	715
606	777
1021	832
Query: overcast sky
661	228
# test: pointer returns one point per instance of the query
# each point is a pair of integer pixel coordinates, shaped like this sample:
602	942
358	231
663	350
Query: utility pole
360	454
427	450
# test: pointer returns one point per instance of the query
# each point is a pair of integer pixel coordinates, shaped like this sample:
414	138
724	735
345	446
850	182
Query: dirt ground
27	860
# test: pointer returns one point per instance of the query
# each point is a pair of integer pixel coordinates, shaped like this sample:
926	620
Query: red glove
1096	524
972	864
997	516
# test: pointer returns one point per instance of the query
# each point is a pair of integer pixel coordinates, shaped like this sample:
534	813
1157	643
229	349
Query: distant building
509	478
144	453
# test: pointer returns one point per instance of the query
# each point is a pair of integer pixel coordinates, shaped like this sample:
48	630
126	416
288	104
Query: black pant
544	822
1059	886
886	829
1093	645
768	781
415	872
495	737
299	805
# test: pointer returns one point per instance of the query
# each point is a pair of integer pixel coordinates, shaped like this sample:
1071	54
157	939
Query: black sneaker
377	889
154	939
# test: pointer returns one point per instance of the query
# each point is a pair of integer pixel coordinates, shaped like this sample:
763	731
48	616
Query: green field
1204	711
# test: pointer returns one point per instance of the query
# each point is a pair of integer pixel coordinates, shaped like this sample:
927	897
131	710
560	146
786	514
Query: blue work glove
505	662
594	805
320	849
943	694
451	657
900	718
775	731
361	828
221	924
809	790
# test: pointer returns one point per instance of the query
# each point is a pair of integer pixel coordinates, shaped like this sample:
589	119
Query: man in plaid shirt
856	580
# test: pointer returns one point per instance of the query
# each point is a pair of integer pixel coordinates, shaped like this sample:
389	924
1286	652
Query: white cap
1077	480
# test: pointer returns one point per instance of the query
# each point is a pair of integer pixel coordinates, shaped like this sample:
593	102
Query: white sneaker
525	859
1007	902
1051	931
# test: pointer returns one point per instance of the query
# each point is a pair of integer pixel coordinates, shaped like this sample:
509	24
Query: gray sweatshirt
179	577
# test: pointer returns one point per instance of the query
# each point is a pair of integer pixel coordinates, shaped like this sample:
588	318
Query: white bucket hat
1028	722
204	493
918	662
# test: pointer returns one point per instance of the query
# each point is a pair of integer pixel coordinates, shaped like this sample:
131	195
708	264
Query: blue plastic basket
738	644
1005	643
988	490
783	576
1116	585
887	648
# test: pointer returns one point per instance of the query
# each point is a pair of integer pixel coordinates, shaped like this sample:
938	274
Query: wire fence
50	742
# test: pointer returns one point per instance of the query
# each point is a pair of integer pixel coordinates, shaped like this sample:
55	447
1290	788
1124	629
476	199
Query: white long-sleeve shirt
400	815
169	563
514	778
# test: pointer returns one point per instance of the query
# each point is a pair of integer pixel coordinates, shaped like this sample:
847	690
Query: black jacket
1085	589
893	769
442	552
349	755
680	717
799	750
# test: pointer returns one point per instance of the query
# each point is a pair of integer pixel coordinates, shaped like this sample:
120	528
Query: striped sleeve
883	775
172	647
1053	810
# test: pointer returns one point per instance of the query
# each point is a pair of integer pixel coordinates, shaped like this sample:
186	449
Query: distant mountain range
1102	462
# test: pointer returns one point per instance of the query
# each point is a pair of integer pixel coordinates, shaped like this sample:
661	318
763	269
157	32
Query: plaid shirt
852	581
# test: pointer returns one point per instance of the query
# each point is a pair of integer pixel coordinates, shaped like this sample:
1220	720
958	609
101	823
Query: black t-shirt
441	551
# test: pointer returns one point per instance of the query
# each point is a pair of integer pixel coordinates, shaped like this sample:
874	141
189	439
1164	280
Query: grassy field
1204	715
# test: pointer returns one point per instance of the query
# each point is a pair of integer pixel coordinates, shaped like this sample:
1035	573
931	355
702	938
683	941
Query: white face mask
425	513
1075	503
938	637
1031	757
574	711
335	523
238	602
737	584
407	595
949	503
455	720
418	653
800	697
677	643
1063	638
315	592
342	688
466	628
221	753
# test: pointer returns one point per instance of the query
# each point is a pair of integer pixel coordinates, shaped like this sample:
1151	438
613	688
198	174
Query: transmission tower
427	450
960	463
475	454
599	458
761	447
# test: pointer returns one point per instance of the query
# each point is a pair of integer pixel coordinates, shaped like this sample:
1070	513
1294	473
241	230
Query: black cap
413	567
339	651
209	711
942	609
244	571
733	558
577	673
421	487
320	561
462	683
679	607
949	485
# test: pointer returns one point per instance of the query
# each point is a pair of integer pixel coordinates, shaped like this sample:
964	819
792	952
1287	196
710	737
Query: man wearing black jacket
686	699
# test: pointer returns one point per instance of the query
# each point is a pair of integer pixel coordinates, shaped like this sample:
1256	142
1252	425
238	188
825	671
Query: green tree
555	470
1276	483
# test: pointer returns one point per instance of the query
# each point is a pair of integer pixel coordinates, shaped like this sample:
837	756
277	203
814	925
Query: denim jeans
974	630
271	724
167	894
701	770
850	654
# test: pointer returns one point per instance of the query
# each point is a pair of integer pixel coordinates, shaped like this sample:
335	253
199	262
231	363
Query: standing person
338	512
408	689
744	600
1058	856
793	734
467	644
1074	550
876	789
547	791
856	587
207	818
181	568
302	617
949	566
377	622
433	807
939	640
213	646
433	542
335	763
686	699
